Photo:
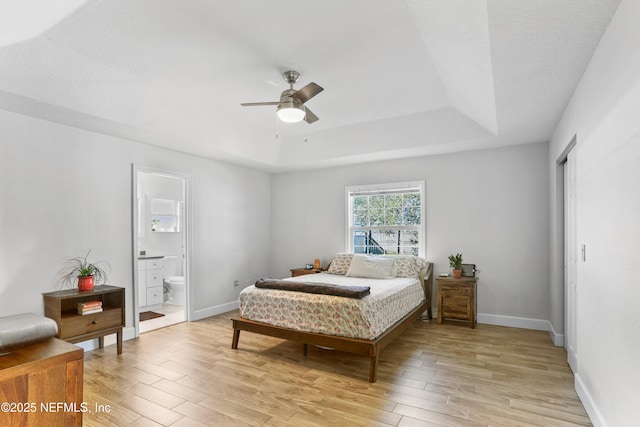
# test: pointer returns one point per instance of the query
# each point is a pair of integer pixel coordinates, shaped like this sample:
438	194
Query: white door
570	261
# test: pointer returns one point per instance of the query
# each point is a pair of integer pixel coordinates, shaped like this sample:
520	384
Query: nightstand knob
95	322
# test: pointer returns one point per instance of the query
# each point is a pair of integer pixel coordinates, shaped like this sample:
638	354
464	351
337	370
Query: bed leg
429	313
373	369
236	338
304	350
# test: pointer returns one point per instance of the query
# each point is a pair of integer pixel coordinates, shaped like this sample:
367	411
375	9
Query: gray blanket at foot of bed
314	288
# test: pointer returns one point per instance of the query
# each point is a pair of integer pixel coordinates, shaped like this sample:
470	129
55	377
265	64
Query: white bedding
366	318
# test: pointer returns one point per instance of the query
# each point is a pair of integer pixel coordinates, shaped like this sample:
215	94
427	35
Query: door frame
186	239
570	277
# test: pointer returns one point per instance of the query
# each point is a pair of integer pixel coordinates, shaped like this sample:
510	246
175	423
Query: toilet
174	285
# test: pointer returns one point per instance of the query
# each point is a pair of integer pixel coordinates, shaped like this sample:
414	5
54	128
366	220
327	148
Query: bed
361	326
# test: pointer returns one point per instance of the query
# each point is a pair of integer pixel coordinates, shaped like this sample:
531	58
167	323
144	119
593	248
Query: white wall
605	114
491	205
65	190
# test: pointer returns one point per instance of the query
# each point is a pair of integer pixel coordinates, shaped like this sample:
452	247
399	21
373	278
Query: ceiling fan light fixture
290	112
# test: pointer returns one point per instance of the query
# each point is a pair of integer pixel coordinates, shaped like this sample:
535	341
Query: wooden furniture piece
427	284
457	299
62	306
150	275
371	348
41	385
295	272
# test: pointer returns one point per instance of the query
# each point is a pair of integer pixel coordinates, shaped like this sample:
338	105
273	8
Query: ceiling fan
291	108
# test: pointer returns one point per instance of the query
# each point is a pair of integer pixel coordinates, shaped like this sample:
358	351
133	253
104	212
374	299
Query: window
165	215
386	219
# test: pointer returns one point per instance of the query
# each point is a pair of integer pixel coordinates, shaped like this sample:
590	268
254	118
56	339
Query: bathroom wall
153	186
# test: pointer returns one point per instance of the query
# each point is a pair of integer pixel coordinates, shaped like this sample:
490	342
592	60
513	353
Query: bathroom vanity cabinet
150	275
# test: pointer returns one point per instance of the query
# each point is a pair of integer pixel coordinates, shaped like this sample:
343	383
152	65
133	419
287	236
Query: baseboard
514	322
212	311
558	339
588	402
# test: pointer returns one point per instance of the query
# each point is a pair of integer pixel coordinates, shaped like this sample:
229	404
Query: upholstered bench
20	330
40	376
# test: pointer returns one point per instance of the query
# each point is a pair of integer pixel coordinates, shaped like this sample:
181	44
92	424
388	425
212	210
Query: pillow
340	264
407	266
371	267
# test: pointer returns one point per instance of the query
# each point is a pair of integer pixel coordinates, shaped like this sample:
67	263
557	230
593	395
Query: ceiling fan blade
306	93
310	117
257	104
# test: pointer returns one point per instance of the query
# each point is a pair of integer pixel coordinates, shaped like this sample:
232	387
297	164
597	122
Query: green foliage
455	261
388	209
74	267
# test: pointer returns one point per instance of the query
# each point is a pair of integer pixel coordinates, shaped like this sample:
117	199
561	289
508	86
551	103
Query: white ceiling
401	77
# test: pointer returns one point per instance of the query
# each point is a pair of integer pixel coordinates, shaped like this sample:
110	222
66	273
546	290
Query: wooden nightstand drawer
457	290
295	272
457	308
79	325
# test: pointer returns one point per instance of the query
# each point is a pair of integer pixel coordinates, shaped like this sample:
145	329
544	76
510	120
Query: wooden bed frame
371	348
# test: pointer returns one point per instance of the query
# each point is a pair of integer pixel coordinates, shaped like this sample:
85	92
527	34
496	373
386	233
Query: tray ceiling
401	78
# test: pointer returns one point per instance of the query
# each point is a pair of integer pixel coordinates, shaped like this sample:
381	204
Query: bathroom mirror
165	215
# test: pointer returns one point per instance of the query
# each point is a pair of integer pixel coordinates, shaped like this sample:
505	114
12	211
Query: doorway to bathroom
160	248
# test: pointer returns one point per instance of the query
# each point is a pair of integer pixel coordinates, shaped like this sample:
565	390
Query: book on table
93	310
89	307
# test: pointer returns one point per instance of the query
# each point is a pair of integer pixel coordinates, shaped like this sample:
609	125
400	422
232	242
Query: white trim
213	311
588	402
514	322
558	339
562	158
517	322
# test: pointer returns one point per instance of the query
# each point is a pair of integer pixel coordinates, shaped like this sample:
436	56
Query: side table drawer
80	325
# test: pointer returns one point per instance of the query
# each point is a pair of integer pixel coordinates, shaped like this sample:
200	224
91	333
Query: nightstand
457	299
302	271
62	306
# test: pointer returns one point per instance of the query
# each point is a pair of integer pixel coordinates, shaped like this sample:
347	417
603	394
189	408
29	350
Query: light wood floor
432	375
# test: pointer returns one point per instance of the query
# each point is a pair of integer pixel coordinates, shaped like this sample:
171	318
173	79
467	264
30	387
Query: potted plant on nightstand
455	262
87	273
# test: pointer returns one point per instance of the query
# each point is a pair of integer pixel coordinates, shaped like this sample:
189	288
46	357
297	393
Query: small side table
62	306
457	299
302	271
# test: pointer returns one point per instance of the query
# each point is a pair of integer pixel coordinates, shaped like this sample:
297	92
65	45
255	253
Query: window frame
386	187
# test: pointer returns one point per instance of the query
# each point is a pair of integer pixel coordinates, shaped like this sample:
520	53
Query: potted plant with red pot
87	273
